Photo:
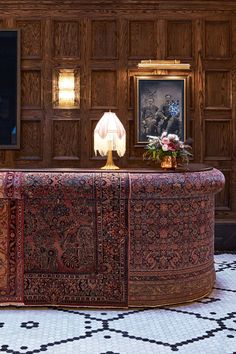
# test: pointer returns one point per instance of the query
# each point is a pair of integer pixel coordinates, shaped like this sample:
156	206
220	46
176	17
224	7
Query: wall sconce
66	88
109	135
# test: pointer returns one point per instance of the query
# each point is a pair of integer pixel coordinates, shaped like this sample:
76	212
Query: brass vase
168	162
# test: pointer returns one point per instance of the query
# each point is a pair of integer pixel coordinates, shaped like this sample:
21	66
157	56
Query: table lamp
109	135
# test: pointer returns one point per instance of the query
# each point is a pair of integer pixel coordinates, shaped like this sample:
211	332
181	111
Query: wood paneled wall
105	40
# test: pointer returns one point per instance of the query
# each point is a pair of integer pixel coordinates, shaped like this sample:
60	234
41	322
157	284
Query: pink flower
165	141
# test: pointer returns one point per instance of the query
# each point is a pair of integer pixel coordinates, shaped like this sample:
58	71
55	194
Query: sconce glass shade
109	135
66	88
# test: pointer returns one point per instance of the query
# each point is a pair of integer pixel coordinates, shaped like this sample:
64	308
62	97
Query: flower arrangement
167	145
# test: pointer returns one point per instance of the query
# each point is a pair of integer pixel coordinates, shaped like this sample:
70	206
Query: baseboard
225	237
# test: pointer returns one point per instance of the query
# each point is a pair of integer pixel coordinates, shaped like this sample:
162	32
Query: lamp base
110	167
110	163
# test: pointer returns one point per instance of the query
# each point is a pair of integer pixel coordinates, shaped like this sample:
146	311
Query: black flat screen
9	92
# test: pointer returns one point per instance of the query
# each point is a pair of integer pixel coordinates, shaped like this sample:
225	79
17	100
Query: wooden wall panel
217	86
65	139
2	157
31	89
104	89
131	103
31	39
66	39
104	40
217	39
31	140
179	39
217	140
142	39
93	123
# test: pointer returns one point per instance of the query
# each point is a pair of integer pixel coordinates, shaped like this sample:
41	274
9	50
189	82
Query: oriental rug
71	248
206	326
171	237
11	239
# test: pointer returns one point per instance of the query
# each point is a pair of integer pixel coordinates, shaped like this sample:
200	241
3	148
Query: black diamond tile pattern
206	326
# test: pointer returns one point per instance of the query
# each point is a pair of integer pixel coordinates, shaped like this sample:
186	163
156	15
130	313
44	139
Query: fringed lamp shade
109	135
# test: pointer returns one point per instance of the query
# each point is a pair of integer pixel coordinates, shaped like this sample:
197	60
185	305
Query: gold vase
169	162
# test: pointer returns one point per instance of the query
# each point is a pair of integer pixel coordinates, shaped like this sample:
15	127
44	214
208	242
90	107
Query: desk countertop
193	167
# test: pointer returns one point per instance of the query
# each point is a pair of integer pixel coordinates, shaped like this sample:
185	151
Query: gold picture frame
161	104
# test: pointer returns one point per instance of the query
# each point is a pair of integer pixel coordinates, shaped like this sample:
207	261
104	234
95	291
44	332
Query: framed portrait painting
161	105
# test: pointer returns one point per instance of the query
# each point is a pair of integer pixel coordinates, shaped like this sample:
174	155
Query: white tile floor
203	327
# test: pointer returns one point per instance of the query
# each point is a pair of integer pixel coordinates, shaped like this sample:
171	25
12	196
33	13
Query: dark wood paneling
199	92
217	39
2	157
217	86
31	38
65	138
31	89
179	39
142	39
104	89
66	39
130	6
104	39
31	140
217	140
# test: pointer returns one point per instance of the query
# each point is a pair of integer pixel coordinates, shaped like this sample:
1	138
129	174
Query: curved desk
110	239
172	236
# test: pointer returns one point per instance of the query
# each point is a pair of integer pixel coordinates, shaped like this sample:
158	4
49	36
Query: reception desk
106	239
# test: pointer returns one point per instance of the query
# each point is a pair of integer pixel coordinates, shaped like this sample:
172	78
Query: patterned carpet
207	326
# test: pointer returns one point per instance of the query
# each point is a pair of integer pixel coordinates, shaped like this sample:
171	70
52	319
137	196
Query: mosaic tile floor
203	327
